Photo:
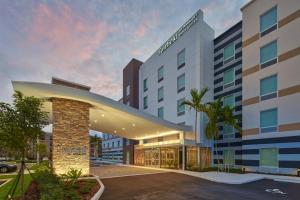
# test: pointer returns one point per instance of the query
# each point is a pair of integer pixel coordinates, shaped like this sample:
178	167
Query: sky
91	41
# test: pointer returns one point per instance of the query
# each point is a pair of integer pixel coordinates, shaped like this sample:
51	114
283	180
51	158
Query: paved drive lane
173	186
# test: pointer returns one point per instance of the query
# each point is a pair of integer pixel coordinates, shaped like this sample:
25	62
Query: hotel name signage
185	27
75	151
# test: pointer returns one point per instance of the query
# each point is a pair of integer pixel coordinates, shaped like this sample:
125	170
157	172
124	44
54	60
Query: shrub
72	175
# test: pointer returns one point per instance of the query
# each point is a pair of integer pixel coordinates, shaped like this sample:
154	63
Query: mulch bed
33	192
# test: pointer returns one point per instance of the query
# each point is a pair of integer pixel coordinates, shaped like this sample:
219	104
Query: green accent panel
268	52
228	156
228	76
228	51
269	157
268	19
268	118
229	101
268	85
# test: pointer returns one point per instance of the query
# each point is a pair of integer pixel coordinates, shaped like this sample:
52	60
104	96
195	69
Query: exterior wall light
298	172
243	170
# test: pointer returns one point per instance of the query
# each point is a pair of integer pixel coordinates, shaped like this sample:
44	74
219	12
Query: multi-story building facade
271	86
183	62
112	148
117	148
130	98
228	87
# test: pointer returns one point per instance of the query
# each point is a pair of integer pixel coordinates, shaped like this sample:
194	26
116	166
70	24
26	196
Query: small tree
196	104
20	124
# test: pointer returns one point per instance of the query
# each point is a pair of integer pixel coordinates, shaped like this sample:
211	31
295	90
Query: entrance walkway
111	171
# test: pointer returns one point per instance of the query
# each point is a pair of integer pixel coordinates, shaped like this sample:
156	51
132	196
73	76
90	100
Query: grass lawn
4	189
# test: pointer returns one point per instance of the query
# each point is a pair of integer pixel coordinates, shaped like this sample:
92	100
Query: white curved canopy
106	115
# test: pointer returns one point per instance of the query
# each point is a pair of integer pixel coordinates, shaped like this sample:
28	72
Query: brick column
70	135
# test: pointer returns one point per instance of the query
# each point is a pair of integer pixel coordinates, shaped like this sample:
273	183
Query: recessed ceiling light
102	115
133	124
123	129
115	131
95	121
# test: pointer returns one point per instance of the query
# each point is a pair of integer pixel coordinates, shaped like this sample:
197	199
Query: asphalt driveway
173	186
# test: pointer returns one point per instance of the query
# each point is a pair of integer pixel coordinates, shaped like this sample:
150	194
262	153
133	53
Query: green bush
88	185
72	175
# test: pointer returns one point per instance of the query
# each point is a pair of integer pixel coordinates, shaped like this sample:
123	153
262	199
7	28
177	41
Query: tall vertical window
268	54
228	53
268	20
127	90
181	83
228	156
145	102
160	73
180	107
160	94
145	84
268	87
160	112
268	120
228	131
268	157
118	143
228	79
229	100
181	59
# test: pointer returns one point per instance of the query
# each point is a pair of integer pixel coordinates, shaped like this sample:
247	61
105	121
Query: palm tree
217	113
196	104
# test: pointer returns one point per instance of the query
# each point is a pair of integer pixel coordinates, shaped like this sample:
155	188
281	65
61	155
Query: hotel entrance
163	157
152	157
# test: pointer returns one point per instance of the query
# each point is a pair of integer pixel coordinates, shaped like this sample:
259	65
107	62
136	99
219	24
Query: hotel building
183	62
271	86
253	66
228	87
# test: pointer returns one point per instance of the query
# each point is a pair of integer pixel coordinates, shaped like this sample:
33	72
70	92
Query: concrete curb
100	191
7	180
131	175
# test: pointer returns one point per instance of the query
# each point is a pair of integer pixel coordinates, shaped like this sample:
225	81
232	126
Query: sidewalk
229	178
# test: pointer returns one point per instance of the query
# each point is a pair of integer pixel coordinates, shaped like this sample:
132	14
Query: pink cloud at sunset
146	23
68	37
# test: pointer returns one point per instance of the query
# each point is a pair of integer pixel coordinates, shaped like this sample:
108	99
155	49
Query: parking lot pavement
109	171
173	186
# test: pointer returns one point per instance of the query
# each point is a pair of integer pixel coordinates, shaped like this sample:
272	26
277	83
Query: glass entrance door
152	157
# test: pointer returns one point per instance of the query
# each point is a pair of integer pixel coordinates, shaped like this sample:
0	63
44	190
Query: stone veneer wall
70	135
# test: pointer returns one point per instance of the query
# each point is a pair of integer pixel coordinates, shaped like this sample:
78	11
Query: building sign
185	27
75	150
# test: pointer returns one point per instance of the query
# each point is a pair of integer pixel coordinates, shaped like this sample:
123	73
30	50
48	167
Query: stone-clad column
70	135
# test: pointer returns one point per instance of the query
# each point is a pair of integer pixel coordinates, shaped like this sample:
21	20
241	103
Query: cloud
65	37
147	22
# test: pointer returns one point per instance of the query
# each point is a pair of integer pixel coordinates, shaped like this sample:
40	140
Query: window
160	73
228	156
127	90
118	143
268	157
145	102
181	59
113	144
228	52
268	54
268	20
268	120
228	78
229	101
145	85
160	94
180	107
268	87
228	131
181	83
160	112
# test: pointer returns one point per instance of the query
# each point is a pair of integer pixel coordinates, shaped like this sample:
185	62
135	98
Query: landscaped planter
86	188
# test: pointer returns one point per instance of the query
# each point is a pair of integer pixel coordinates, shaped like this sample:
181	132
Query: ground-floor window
268	157
228	157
